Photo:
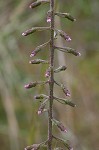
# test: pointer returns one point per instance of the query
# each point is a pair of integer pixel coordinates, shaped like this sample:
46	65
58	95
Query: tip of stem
79	54
32	55
23	34
39	112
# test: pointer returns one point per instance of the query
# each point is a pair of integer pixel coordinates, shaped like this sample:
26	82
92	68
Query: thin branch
64	142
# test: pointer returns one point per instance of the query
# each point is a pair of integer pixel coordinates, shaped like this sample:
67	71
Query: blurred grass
19	123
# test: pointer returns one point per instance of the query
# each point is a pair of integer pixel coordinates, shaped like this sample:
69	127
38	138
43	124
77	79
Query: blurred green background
19	123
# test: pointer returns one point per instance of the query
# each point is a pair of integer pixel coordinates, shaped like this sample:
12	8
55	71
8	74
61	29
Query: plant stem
51	84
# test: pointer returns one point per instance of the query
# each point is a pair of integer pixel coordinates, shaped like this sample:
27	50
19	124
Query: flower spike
50	72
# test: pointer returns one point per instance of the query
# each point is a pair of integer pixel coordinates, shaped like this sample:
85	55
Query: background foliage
19	123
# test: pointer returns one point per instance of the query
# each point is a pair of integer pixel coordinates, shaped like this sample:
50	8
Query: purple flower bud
33	54
64	35
47	74
29	31
48	16
67	93
48	19
35	4
68	38
42	108
39	112
61	127
30	85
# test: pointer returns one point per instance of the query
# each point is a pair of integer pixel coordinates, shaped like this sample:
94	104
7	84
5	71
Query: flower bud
30	31
39	48
33	54
68	50
35	4
38	61
47	73
30	85
64	35
66	91
48	16
33	147
61	68
65	15
41	108
59	125
41	96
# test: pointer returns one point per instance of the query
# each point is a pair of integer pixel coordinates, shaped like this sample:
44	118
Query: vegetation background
19	123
